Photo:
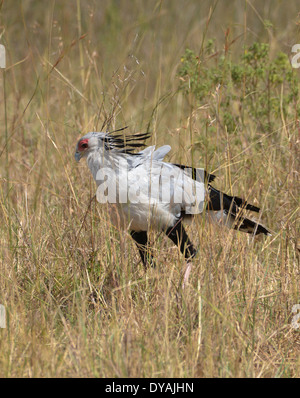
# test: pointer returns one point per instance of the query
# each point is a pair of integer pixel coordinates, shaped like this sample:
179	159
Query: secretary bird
145	192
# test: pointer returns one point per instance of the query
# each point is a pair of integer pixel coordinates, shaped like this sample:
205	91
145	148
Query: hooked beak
77	156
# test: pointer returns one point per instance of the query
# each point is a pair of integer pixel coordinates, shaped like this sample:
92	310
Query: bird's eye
83	146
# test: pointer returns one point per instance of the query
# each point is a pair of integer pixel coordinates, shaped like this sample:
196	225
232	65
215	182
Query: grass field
78	301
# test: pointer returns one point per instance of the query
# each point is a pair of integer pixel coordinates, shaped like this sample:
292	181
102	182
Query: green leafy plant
266	90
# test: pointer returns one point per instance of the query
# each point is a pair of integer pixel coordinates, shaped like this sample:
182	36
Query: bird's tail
230	209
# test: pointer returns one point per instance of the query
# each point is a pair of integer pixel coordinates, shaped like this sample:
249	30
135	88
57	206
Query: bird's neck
104	159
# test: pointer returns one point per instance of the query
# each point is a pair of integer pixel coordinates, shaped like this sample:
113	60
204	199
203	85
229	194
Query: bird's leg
141	239
178	235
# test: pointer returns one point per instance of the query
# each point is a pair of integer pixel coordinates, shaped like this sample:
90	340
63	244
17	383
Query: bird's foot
186	274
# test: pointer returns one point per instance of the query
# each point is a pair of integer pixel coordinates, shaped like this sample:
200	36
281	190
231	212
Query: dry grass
78	302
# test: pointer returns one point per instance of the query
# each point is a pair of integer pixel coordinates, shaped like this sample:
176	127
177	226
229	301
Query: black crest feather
125	143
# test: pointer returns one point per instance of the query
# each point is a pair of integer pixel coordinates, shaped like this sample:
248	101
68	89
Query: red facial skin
83	144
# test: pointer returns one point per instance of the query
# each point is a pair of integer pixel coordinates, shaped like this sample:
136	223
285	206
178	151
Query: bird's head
115	144
87	144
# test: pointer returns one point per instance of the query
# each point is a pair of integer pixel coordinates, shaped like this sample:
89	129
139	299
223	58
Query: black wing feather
220	201
208	177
